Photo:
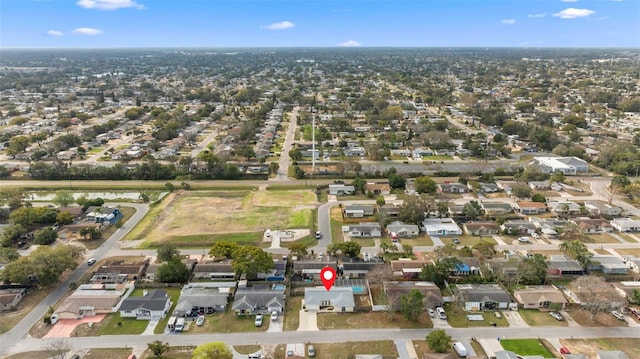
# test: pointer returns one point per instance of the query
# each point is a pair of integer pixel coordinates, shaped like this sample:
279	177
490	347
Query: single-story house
214	270
628	288
89	300
310	268
477	297
355	152
402	229
103	214
518	227
597	225
395	290
337	299
453	188
75	211
358	211
550	226
540	296
481	228
560	265
407	268
194	299
608	264
496	208
564	207
626	224
253	300
365	229
486	187
566	165
441	227
527	207
10	296
72	231
154	304
539	185
455	210
119	272
602	208
389	210
341	189
378	188
359	268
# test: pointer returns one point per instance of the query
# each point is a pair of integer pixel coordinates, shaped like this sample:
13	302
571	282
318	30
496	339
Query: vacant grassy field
589	347
173	353
112	324
292	313
526	347
386	348
370	320
534	317
457	318
201	217
364	242
336	224
602	319
629	252
112	353
421	240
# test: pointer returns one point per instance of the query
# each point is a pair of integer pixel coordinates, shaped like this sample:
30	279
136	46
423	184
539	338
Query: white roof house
566	165
441	227
626	224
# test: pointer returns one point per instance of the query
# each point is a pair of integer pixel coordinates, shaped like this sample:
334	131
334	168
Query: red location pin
328	277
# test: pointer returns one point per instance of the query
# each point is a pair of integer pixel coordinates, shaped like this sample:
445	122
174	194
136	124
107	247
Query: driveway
308	320
275	325
514	319
64	327
491	346
405	349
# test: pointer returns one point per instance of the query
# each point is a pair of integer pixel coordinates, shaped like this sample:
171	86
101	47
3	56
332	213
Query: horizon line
319	47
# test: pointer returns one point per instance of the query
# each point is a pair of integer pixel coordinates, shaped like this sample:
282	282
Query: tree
298	249
538	198
157	347
424	184
557	177
64	218
18	144
411	305
595	295
416	208
533	270
577	250
63	198
521	191
396	181
385	246
42	266
438	272
213	350
350	249
251	260
167	251
8	254
174	271
472	210
439	341
223	249
45	236
90	233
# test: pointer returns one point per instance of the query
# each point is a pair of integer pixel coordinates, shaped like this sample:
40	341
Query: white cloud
350	43
108	4
572	13
86	31
508	21
54	33
537	16
283	25
569	0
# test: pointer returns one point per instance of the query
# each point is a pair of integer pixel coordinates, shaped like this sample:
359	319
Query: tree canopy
439	341
43	266
213	350
411	305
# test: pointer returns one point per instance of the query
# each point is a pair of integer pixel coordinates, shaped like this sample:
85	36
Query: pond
107	196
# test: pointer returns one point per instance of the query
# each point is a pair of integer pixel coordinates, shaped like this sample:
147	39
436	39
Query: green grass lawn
534	317
386	348
292	313
228	322
370	320
113	324
457	318
422	240
364	242
468	240
526	347
307	240
207	240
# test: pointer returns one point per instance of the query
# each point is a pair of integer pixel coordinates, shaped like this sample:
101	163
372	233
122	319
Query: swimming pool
358	289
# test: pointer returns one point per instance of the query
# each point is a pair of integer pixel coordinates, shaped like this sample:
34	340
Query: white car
258	321
524	239
274	315
535	235
200	320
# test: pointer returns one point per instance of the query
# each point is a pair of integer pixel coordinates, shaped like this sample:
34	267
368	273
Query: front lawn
526	347
468	240
228	322
364	242
174	293
534	318
112	324
292	313
370	320
457	318
386	348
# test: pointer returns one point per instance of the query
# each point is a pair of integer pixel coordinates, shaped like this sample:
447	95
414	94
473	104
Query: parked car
311	351
318	235
524	239
535	235
456	240
274	315
258	321
564	350
200	320
441	313
618	315
556	315
432	313
91	261
255	356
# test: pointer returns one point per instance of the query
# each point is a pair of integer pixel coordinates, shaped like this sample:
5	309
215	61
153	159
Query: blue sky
325	23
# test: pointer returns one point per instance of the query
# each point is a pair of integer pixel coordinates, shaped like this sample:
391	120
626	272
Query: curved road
17	333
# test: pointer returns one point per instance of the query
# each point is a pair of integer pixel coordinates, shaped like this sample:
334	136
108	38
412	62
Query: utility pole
313	142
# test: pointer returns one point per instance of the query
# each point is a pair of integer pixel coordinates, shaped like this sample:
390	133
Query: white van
179	325
441	313
460	349
171	324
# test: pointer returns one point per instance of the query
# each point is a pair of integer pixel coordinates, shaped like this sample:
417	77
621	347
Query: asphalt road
18	333
324	336
284	160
